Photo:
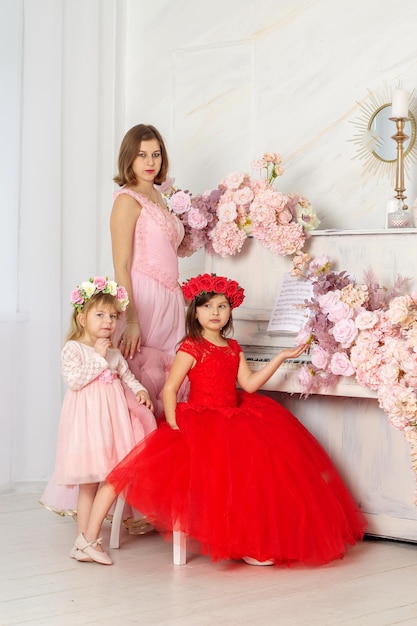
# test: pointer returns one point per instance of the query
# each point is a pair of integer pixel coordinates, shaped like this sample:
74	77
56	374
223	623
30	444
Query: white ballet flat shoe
250	561
87	547
79	555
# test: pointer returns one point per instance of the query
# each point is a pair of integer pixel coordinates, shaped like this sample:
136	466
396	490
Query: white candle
399	103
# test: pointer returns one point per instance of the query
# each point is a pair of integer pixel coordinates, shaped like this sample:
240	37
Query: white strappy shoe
250	561
87	548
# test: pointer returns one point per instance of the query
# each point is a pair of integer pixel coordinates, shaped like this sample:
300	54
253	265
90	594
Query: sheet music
288	316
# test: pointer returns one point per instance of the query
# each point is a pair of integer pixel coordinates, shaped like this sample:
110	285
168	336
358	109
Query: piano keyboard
285	378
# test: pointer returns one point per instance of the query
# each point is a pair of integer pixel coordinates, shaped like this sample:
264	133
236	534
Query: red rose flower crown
210	283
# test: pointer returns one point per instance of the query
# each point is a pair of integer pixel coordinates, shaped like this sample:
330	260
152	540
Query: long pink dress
157	294
96	428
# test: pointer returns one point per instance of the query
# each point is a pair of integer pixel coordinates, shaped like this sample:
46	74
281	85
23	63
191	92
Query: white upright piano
372	456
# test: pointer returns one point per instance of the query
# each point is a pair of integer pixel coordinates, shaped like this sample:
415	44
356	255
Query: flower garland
221	220
211	283
366	331
93	286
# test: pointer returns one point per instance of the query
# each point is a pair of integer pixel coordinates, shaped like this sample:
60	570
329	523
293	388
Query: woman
145	238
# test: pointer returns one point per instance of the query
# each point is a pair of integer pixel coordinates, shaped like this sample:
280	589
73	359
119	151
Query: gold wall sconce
377	145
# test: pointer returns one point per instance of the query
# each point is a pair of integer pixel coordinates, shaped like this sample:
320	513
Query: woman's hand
129	342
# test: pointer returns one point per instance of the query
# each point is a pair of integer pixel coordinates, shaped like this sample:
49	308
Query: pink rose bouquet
221	220
366	331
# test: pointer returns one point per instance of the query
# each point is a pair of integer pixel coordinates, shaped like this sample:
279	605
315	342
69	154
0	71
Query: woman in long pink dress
145	238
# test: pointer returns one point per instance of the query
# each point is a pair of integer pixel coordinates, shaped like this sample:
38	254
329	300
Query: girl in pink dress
95	430
234	470
145	238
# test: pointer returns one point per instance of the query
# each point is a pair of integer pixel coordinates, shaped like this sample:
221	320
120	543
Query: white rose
88	288
111	288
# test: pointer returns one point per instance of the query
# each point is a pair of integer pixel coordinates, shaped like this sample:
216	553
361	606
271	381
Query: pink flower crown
210	283
93	286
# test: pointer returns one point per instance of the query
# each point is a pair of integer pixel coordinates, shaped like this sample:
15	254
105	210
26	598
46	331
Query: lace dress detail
217	385
242	475
157	230
81	365
154	274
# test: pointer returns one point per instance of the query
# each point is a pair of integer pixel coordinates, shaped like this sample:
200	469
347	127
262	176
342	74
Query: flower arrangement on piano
221	220
367	331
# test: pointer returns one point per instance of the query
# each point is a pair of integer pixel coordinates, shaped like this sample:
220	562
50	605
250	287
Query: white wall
223	81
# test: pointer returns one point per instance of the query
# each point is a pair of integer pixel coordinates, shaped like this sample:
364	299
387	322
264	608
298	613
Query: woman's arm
252	381
183	362
124	215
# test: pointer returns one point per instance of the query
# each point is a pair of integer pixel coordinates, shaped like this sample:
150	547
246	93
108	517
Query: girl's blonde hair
129	151
106	300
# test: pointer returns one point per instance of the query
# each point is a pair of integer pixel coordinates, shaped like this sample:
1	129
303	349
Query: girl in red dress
233	469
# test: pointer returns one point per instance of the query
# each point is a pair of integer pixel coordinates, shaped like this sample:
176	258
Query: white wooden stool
116	525
179	539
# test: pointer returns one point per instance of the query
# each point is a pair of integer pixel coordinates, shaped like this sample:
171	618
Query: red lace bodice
213	378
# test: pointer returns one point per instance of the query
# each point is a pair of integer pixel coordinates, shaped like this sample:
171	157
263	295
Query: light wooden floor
376	584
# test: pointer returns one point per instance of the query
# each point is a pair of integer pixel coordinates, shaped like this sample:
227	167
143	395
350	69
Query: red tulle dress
242	476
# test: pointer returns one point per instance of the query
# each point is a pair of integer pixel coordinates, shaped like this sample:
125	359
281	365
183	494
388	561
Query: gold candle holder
400	137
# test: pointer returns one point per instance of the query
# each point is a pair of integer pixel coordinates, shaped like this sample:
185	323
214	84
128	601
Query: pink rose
398	310
100	282
320	358
227	211
284	216
196	219
180	202
320	264
328	300
366	319
345	332
338	311
233	180
243	195
340	365
106	377
76	297
388	373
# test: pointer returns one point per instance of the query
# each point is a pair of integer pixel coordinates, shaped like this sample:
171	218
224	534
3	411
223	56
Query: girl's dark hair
193	327
129	151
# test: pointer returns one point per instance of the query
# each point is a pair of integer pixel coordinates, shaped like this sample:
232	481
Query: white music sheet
289	315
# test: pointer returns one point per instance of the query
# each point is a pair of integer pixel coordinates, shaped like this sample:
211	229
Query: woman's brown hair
129	151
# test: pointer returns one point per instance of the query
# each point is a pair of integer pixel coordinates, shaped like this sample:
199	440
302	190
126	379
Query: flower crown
210	283
93	286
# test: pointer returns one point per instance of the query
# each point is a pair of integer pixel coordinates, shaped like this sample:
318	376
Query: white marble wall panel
212	125
307	65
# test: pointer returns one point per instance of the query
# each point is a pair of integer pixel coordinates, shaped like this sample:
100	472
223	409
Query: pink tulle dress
157	294
159	303
96	428
242	476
